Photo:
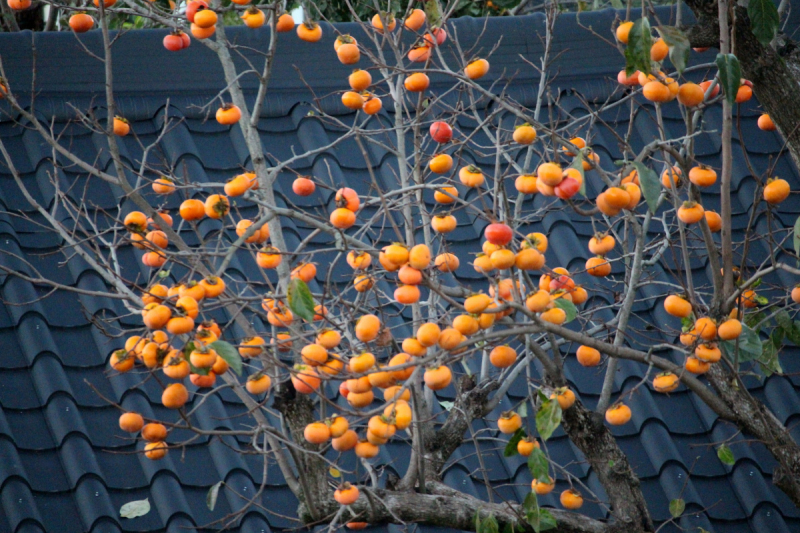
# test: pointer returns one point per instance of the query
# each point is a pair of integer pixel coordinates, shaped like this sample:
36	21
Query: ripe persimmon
477	69
346	494
309	31
776	191
618	414
509	422
174	396
437	378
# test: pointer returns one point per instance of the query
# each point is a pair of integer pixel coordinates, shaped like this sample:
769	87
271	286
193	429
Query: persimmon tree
341	369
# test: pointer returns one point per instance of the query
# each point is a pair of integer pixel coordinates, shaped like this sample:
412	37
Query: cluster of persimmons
170	313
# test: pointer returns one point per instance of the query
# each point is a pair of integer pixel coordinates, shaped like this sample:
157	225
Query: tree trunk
775	72
586	430
445	507
754	418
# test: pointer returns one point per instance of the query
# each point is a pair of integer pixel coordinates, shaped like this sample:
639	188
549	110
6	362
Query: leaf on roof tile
135	508
725	455
677	507
213	493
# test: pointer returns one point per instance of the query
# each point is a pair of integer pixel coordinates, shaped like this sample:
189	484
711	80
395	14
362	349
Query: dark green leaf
651	186
796	237
753	318
546	520
538	465
793	332
300	300
511	447
231	355
548	418
783	319
725	455
676	507
776	337
768	361
211	497
508	528
730	75
577	164
637	53
488	525
749	345
678	46
433	12
134	509
530	503
187	351
617	4
531	508
764	19
568	307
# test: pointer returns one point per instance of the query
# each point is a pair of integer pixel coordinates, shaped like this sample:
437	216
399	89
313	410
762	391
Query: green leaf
637	53
538	465
730	75
678	46
488	525
749	345
568	307
230	354
792	332
651	186
511	447
726	455
546	520
523	409
768	360
676	507
433	12
776	338
617	4
764	19
187	350
796	237
753	318
300	300
134	509
539	519
213	493
548	418
446	405
577	164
